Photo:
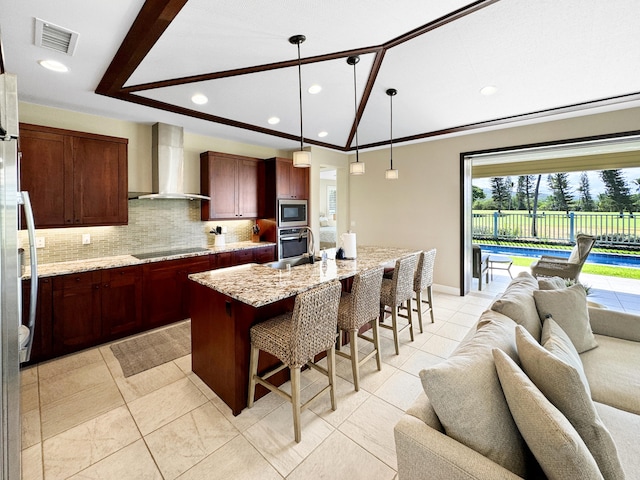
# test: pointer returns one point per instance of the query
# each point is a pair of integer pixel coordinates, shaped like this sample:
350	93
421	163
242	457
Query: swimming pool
616	259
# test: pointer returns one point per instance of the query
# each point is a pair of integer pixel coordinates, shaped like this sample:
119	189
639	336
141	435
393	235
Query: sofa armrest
613	323
425	453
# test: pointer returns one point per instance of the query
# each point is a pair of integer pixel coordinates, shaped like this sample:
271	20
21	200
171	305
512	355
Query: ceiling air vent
54	37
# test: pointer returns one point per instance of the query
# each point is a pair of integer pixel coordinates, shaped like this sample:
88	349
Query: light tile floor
82	419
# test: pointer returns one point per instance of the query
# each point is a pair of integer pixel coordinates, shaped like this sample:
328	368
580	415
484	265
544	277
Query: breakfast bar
225	303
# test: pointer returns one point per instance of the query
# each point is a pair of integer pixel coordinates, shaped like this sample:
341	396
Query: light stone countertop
78	266
258	285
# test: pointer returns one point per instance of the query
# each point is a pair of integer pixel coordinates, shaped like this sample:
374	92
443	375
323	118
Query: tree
500	192
477	194
617	190
586	201
524	192
534	222
562	196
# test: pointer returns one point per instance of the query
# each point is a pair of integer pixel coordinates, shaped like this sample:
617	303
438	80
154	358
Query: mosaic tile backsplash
154	225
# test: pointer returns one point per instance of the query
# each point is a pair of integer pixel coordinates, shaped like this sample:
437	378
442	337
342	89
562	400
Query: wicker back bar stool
397	291
422	281
358	308
295	338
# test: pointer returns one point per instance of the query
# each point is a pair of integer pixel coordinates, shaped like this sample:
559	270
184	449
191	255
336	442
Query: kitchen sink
293	262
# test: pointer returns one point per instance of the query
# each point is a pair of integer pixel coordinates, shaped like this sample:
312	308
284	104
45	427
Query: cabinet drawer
74	280
224	260
243	256
264	254
122	276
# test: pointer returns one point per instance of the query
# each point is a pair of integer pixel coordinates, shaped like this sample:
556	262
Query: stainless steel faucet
311	245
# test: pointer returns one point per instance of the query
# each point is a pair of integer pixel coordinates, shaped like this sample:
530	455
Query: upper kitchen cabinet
291	182
74	178
232	183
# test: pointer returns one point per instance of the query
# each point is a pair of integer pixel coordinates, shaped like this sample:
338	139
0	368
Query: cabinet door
45	172
76	312
299	183
283	178
222	181
224	259
99	182
248	188
121	301
192	265
43	336
162	293
240	257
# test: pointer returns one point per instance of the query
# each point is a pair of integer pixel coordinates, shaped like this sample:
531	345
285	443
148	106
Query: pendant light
301	158
357	167
391	173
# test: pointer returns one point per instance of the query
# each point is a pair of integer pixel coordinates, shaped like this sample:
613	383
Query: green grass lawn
595	269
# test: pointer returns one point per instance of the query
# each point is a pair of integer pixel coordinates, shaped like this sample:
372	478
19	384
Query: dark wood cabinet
279	179
77	311
93	307
232	183
241	257
264	254
74	178
43	335
166	293
121	301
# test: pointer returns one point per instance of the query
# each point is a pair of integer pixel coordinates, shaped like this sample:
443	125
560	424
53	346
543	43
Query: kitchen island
225	303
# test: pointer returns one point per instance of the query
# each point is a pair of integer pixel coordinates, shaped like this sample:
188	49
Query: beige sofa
494	422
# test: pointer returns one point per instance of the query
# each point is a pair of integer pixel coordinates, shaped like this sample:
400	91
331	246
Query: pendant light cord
355	108
300	92
391	131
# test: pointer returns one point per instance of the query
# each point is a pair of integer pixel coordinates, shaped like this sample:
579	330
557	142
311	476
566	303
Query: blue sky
595	183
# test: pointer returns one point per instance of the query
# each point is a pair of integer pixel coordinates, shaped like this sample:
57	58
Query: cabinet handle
96	286
106	285
77	279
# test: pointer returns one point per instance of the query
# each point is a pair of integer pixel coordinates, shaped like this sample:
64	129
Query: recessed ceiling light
313	89
199	99
53	65
488	90
323	134
273	121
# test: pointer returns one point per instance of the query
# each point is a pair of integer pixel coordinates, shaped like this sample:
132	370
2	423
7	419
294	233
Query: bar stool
423	280
295	338
357	308
396	291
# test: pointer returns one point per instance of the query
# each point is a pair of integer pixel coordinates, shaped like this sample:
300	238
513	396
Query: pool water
616	259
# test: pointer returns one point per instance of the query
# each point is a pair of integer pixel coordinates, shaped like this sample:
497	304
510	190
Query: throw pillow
555	368
554	442
324	222
568	307
466	395
551	283
518	304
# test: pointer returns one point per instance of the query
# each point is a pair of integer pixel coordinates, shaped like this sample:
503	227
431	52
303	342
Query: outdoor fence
608	228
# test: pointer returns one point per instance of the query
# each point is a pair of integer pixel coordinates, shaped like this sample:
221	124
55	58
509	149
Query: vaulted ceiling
143	61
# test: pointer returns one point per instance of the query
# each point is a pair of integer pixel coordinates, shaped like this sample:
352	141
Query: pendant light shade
301	158
391	173
357	167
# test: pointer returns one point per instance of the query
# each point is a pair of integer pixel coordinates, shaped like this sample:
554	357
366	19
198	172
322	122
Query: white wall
422	208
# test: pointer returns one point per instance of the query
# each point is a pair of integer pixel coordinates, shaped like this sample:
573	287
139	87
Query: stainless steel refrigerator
15	338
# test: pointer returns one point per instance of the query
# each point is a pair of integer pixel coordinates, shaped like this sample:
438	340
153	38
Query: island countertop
259	285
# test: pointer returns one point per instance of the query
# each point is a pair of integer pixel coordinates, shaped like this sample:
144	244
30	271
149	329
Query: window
331	199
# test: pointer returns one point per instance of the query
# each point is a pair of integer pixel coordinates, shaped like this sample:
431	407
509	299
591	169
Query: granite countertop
259	285
78	266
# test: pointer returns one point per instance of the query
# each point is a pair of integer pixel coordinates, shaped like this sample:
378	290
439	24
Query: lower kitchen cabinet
264	254
166	292
42	347
121	301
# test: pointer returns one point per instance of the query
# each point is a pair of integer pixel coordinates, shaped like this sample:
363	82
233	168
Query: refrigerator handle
23	199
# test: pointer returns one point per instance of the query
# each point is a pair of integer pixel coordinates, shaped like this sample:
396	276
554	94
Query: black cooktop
169	253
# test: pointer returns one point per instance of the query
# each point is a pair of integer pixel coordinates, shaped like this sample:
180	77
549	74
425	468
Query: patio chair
568	268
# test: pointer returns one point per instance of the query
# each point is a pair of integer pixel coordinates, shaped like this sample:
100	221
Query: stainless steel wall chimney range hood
167	164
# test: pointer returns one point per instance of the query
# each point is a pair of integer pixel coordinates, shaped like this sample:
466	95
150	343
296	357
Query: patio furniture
480	265
568	268
500	262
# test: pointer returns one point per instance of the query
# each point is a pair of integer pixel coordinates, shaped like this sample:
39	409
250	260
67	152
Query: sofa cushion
551	283
568	307
466	395
518	304
624	428
613	373
555	368
555	443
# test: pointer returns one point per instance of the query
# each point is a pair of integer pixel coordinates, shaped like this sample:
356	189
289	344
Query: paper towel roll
349	245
